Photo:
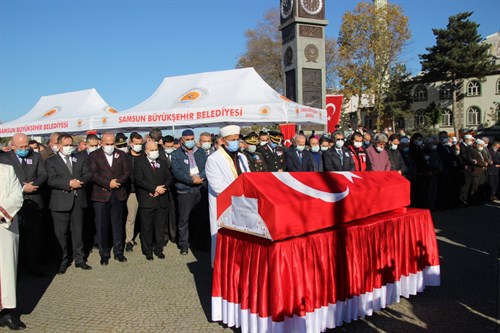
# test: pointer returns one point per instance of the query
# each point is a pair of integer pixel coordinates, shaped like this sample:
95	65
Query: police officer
273	153
255	159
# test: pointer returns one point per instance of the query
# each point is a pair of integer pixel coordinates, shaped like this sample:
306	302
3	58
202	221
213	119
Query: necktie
339	151
153	165
300	155
68	164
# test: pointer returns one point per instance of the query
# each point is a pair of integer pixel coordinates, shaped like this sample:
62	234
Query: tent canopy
72	112
213	99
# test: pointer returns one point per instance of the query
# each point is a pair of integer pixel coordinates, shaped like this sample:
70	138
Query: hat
229	130
188	132
468	136
479	142
251	138
120	140
275	136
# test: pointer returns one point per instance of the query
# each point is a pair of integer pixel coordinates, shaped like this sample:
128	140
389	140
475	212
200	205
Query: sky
124	48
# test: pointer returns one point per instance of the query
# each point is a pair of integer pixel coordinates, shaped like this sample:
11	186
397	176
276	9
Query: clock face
312	7
286	8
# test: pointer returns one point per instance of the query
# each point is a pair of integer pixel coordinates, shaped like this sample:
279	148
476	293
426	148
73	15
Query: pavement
173	295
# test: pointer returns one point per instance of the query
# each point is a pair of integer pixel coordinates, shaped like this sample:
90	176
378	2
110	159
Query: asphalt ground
173	295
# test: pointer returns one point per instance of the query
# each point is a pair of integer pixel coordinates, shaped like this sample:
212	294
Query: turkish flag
288	131
333	109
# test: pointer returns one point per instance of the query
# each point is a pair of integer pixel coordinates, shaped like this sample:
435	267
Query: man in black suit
468	164
338	158
152	178
32	175
68	175
110	174
297	158
171	221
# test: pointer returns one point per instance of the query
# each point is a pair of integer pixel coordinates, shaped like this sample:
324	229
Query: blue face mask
189	144
22	152
232	146
406	149
273	145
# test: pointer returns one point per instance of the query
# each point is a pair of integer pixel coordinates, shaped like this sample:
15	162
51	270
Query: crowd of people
108	190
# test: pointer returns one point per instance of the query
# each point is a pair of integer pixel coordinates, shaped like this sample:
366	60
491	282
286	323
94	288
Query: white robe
11	200
220	175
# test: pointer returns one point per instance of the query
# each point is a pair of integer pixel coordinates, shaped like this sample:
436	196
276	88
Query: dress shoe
11	322
129	247
160	255
104	261
121	258
83	266
149	257
62	269
184	250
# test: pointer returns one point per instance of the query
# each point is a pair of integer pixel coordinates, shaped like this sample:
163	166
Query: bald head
151	146
20	141
108	139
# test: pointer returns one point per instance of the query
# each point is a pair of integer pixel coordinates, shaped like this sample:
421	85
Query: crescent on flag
293	183
333	107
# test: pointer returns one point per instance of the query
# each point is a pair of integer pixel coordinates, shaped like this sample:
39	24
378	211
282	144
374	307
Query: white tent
213	99
72	112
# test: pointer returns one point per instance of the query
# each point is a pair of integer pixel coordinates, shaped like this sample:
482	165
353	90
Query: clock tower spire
303	48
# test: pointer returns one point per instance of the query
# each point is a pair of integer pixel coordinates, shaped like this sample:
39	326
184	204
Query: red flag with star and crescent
333	109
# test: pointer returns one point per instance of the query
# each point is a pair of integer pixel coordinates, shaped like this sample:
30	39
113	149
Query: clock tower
303	37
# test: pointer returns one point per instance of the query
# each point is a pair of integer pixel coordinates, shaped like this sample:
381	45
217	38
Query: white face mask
153	154
339	143
315	149
206	145
67	150
137	148
36	150
108	149
123	149
263	143
252	148
357	144
169	150
480	148
55	149
323	148
394	147
91	149
300	148
379	149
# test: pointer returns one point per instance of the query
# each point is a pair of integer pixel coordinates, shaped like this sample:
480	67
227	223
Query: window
474	88
420	93
473	115
368	122
447	118
445	92
498	87
400	122
419	118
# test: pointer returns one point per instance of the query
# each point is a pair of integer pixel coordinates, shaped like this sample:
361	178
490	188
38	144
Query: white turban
229	130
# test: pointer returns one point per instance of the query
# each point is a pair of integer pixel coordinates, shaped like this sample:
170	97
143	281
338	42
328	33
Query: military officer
273	153
255	159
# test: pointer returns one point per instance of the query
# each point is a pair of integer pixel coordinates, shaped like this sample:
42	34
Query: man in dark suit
297	158
152	178
338	158
68	175
188	167
110	173
32	175
273	153
468	164
135	152
171	220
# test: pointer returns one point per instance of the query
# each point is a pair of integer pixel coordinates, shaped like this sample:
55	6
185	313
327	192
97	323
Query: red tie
153	164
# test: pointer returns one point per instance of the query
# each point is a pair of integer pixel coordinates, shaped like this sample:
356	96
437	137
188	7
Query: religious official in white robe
11	200
222	168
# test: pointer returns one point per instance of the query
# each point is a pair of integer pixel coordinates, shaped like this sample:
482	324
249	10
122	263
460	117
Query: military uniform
255	160
274	157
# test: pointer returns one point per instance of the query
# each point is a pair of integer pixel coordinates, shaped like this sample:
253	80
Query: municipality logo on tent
51	112
191	96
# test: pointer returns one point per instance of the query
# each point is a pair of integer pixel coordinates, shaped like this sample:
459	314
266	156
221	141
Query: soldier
255	159
273	153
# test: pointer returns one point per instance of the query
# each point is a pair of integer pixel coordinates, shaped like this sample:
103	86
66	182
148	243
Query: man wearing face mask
188	166
468	163
171	222
255	159
32	174
51	145
377	154
110	174
152	179
395	158
478	172
297	158
263	138
359	156
68	175
121	142
222	168
206	143
135	151
34	145
449	162
338	158
316	154
273	153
